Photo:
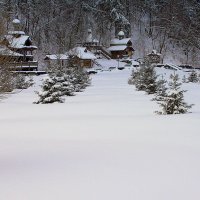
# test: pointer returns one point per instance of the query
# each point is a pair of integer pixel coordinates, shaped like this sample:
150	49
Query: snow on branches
64	82
144	79
170	97
172	102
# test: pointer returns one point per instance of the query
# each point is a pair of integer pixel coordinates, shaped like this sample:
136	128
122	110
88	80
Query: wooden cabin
52	59
17	41
121	47
154	57
82	57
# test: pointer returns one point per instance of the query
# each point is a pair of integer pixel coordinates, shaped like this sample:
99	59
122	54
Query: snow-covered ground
104	144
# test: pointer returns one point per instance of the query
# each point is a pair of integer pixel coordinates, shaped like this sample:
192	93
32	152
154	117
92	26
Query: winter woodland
99	99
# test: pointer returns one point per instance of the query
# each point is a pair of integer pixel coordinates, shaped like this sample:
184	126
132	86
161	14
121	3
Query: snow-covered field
103	144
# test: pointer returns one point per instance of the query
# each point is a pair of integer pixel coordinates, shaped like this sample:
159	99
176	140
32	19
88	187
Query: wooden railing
24	66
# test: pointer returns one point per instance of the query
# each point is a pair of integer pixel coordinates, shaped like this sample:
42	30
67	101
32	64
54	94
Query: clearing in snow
104	144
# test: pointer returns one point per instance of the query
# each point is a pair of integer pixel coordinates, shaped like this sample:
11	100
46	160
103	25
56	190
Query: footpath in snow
104	144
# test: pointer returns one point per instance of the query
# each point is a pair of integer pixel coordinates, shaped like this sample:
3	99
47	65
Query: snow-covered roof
17	42
95	40
121	33
91	40
29	47
117	41
117	48
16	21
16	33
82	53
7	52
135	62
57	57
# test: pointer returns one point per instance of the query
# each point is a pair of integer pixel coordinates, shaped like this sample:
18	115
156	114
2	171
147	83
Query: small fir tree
151	80
6	78
132	79
22	82
161	90
79	78
193	77
145	79
63	80
173	102
54	88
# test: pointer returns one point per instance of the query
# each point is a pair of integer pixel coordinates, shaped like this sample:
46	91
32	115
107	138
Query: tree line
57	25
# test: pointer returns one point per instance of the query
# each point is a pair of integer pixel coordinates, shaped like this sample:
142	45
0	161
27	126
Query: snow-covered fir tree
22	82
63	81
193	77
161	90
134	74
54	88
81	79
173	101
6	79
144	79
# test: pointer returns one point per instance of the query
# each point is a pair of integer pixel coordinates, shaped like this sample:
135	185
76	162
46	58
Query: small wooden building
154	57
121	47
56	59
17	41
82	57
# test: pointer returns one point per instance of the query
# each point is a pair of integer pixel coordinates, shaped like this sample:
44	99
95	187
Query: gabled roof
82	53
16	33
121	33
18	42
4	51
117	48
56	57
117	41
16	21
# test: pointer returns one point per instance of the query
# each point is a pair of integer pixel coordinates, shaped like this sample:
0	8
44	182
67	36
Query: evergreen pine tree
63	81
173	102
79	78
161	90
151	80
145	79
54	88
132	79
6	79
22	82
193	77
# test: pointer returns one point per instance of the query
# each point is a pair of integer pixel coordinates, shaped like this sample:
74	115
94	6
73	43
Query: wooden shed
82	57
153	57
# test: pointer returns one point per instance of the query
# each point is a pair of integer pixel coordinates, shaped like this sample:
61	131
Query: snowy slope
103	144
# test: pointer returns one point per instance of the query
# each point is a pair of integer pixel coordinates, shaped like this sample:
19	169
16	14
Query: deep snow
105	143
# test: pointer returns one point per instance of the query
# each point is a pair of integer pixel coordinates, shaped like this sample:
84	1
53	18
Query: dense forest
58	25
